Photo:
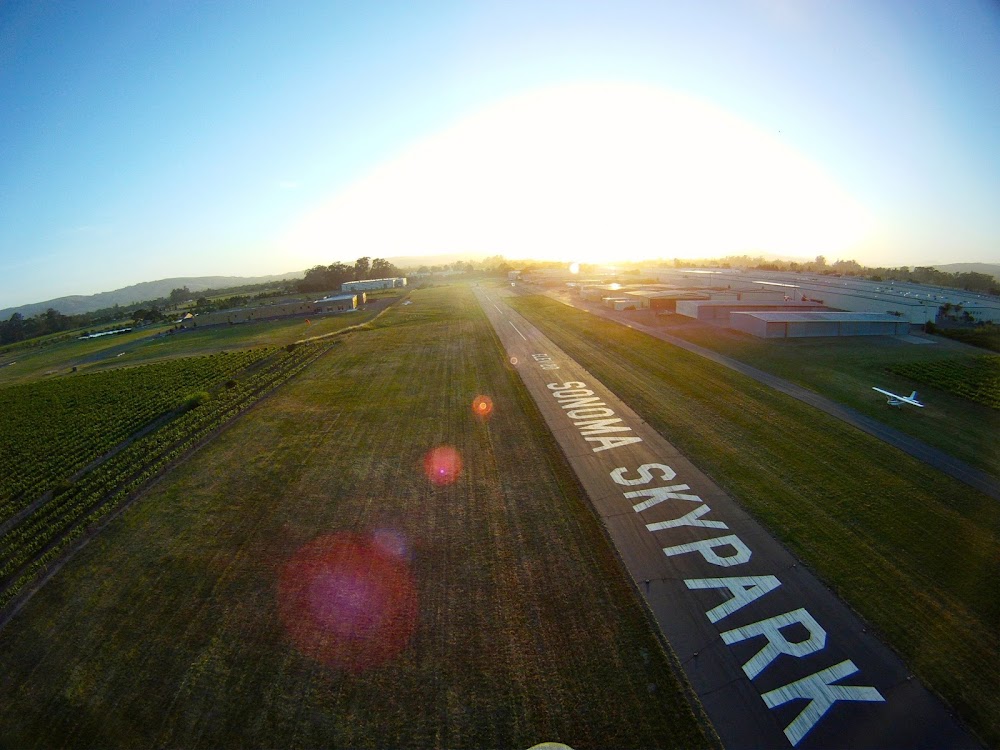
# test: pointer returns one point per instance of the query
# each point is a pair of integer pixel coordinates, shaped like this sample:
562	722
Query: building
337	303
719	310
370	284
916	303
663	301
780	325
248	314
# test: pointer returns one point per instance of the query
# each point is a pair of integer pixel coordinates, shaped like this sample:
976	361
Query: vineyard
75	449
975	378
50	430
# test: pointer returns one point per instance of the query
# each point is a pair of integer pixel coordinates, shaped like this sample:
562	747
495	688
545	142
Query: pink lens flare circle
349	600
482	406
442	465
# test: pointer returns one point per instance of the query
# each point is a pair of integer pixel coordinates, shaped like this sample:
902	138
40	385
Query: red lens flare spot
482	406
349	600
443	465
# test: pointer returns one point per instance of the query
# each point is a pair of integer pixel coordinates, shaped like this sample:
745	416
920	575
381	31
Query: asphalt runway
940	460
776	659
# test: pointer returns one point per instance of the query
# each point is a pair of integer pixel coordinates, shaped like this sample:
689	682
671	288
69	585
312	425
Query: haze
182	139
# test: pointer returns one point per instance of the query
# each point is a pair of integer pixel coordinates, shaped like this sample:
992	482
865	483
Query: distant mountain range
147	290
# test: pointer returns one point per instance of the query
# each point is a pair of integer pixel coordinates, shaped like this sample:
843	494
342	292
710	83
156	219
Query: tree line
970	281
20	328
329	278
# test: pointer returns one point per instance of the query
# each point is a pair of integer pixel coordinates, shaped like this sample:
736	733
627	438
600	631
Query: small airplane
896	400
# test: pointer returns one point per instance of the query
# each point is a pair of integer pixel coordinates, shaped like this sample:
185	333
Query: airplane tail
913	396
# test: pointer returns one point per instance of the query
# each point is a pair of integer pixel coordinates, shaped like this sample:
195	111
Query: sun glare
589	173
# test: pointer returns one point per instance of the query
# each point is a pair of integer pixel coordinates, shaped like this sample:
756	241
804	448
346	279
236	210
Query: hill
993	269
147	290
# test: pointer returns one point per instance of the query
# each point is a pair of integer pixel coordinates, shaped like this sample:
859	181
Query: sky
162	139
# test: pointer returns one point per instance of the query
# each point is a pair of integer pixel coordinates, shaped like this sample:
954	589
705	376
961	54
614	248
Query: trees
329	278
362	266
12	330
182	294
382	269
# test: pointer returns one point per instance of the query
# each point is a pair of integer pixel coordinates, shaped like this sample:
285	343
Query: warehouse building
719	310
917	303
663	301
338	303
779	325
370	284
247	314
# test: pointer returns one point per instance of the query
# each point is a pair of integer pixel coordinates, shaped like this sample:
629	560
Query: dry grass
163	632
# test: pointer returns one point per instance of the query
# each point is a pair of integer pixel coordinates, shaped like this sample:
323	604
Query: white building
369	284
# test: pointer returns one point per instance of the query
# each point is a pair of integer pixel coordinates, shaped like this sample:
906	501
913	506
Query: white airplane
896	400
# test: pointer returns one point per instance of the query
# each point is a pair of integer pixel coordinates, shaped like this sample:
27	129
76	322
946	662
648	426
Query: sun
591	173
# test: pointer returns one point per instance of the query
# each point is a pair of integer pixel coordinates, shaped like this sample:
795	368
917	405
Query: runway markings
774	644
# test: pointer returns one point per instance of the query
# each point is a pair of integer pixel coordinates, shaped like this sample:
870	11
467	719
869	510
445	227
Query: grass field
153	343
164	631
845	369
50	429
973	378
915	552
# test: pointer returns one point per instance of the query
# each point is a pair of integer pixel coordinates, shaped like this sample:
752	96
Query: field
37	527
913	551
52	429
974	378
984	336
166	630
846	369
155	342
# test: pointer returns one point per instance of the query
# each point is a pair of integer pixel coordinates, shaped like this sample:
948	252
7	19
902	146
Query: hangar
778	325
368	284
337	303
247	314
646	299
719	310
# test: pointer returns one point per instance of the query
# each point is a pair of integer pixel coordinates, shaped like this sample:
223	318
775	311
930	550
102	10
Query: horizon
420	261
233	140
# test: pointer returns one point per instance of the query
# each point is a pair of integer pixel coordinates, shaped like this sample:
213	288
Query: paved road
940	460
776	659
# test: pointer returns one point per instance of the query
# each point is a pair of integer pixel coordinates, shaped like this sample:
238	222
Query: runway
776	659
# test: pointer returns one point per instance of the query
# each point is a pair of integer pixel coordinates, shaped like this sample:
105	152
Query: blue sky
158	139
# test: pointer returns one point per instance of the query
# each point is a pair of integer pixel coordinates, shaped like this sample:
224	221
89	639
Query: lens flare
513	361
574	268
443	465
482	406
349	600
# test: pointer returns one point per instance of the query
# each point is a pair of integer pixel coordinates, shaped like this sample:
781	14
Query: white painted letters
645	476
688	519
821	693
706	547
612	442
777	644
744	590
659	494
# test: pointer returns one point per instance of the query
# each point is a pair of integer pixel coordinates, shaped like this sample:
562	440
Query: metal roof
824	317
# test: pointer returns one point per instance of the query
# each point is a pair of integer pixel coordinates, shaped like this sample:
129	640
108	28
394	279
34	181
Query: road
940	460
776	659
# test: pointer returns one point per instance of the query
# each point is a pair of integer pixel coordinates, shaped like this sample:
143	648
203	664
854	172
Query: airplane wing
902	399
